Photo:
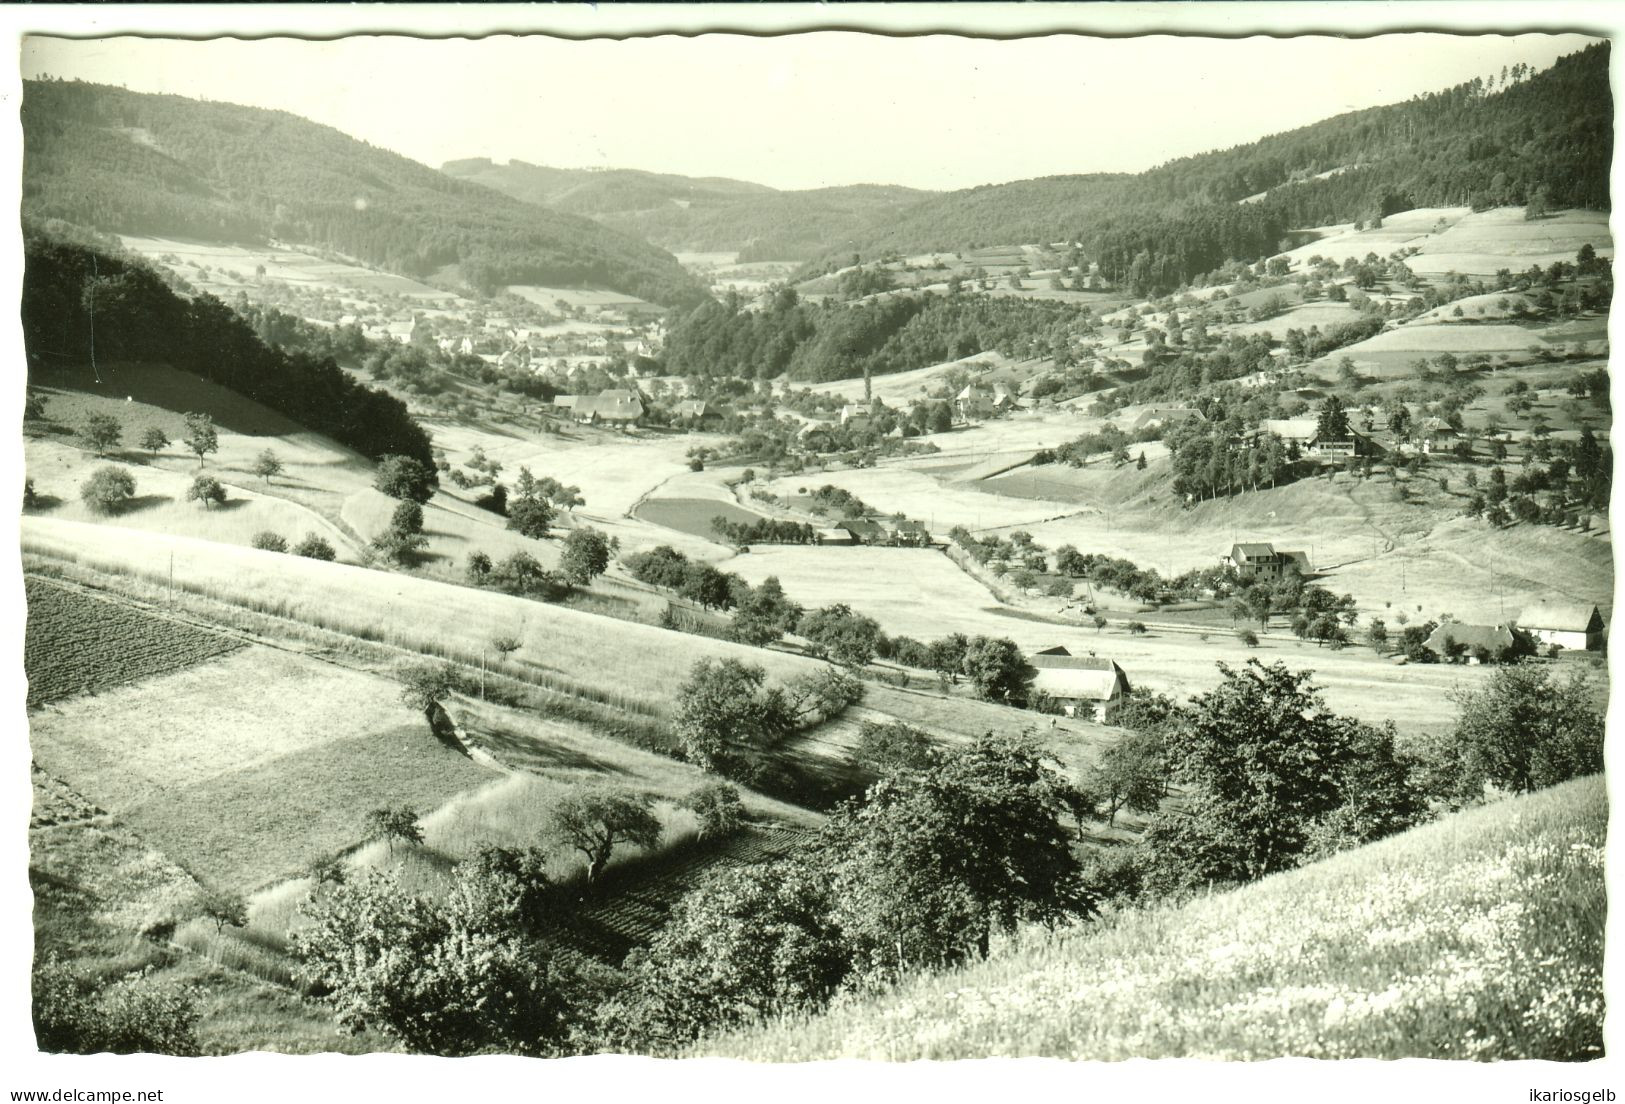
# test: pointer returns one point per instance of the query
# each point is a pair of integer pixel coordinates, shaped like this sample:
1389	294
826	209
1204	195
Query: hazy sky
806	110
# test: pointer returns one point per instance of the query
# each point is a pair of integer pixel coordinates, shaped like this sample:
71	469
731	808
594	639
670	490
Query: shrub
135	1015
108	490
314	547
269	541
718	806
1248	637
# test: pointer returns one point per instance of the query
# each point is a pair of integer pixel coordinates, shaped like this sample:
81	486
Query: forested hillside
883	335
146	164
1510	139
698	214
81	305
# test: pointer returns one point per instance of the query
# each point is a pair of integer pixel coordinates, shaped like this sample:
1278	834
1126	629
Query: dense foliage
166	165
835	341
81	306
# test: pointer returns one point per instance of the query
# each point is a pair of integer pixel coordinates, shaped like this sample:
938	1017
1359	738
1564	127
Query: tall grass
1478	937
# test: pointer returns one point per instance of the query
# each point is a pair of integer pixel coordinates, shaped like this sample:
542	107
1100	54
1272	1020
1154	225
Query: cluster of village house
624	330
1550	624
1094	687
1432	433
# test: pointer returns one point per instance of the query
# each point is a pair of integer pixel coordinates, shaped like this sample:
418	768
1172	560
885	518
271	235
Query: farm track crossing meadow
76	643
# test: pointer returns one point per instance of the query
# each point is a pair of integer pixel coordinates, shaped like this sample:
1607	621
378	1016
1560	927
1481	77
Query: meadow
622	664
1478	937
235	267
693	515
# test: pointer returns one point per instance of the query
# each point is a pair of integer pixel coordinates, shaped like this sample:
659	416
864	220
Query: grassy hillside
697	214
165	165
1478	937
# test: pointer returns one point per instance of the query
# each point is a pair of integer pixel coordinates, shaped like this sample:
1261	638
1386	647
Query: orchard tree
108	490
929	865
998	670
314	547
765	615
201	437
837	633
425	685
1265	761
1129	774
403	540
101	432
1525	730
221	908
947	655
744	944
391	824
894	746
586	555
719	808
405	478
594	820
725	715
452	976
267	465
154	440
207	490
529	511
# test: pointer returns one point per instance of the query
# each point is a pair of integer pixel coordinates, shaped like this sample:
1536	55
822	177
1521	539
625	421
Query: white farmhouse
1567	624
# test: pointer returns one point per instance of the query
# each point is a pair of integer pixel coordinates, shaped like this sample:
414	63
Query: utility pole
172	579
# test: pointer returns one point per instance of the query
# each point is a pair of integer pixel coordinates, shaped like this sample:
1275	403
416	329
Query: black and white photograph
881	534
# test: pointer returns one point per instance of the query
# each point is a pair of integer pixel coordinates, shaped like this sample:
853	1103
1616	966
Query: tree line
81	307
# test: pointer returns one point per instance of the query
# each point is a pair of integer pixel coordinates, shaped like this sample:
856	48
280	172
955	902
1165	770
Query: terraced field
76	643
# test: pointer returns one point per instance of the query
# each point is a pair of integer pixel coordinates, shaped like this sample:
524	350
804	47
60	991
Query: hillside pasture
1321	312
1483	243
1341	242
921	497
1389	354
318	473
625	665
160	504
232	268
1477	938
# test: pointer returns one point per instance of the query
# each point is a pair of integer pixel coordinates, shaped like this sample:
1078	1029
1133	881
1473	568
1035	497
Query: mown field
693	515
75	643
1479	937
625	665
